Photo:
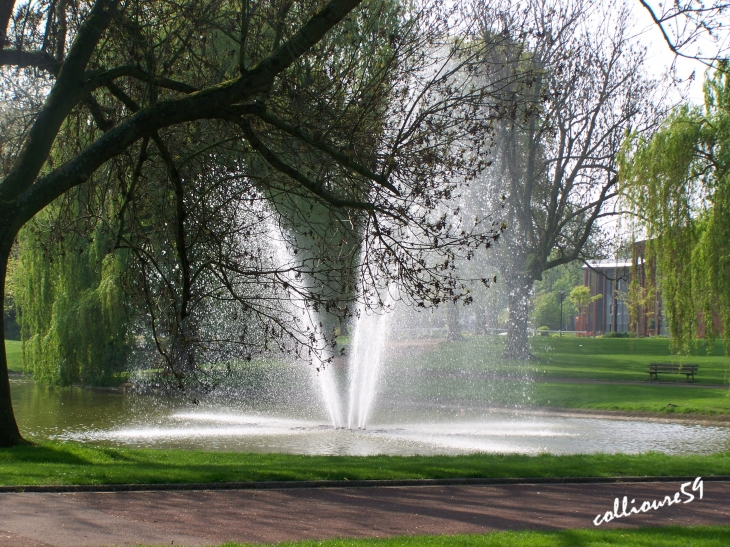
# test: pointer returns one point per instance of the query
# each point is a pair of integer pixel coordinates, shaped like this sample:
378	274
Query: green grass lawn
623	359
632	398
696	536
470	393
473	372
70	463
620	359
14	351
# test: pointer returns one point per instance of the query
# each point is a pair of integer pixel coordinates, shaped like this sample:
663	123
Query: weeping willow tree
678	181
67	287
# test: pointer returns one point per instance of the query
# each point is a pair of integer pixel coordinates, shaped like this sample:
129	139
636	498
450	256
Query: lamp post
562	297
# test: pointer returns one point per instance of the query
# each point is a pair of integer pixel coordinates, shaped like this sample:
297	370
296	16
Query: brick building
611	279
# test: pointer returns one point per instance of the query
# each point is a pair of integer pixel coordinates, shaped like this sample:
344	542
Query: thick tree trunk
9	433
454	322
517	345
6	12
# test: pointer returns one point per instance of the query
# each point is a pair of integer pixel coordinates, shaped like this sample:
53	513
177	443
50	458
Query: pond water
238	421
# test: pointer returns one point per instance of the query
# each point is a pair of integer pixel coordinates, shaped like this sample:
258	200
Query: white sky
660	57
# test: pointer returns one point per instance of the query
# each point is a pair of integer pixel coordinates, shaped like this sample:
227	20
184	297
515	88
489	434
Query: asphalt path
268	516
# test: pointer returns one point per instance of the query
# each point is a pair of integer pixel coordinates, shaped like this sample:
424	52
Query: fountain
365	354
365	360
439	399
312	334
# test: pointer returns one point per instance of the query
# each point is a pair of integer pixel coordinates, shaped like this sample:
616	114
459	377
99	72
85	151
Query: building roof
607	264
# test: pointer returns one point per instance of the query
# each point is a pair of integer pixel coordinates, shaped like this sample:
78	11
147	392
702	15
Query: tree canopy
201	128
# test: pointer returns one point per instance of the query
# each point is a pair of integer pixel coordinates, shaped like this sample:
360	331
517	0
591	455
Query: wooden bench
668	368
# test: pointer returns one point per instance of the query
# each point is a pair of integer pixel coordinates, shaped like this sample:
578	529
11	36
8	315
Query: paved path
213	517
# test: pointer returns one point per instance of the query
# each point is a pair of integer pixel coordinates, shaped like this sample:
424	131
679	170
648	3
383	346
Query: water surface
238	421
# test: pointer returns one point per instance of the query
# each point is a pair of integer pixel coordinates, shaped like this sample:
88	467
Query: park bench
668	368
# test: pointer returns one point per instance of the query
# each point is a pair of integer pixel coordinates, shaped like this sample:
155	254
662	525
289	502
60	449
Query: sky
660	57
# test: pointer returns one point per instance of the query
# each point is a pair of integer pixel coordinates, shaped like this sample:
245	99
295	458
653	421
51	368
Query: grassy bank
663	400
568	373
69	463
14	351
632	398
625	359
696	536
616	359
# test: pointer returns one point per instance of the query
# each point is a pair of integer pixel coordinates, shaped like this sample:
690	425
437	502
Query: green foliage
546	306
679	184
73	321
12	329
638	297
581	297
546	310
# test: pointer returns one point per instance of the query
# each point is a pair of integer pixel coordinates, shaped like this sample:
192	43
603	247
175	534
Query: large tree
64	288
182	112
556	144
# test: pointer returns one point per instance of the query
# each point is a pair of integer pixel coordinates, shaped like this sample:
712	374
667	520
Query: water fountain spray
365	362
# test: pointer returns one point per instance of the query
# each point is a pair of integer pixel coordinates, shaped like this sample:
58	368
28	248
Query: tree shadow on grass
41	454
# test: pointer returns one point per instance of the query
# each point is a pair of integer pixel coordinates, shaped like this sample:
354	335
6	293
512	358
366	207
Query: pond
297	423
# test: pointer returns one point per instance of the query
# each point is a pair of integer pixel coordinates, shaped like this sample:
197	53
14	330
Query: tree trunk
9	433
6	12
454	334
482	326
517	345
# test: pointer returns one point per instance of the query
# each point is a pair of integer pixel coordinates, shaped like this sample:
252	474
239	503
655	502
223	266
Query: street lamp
562	297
